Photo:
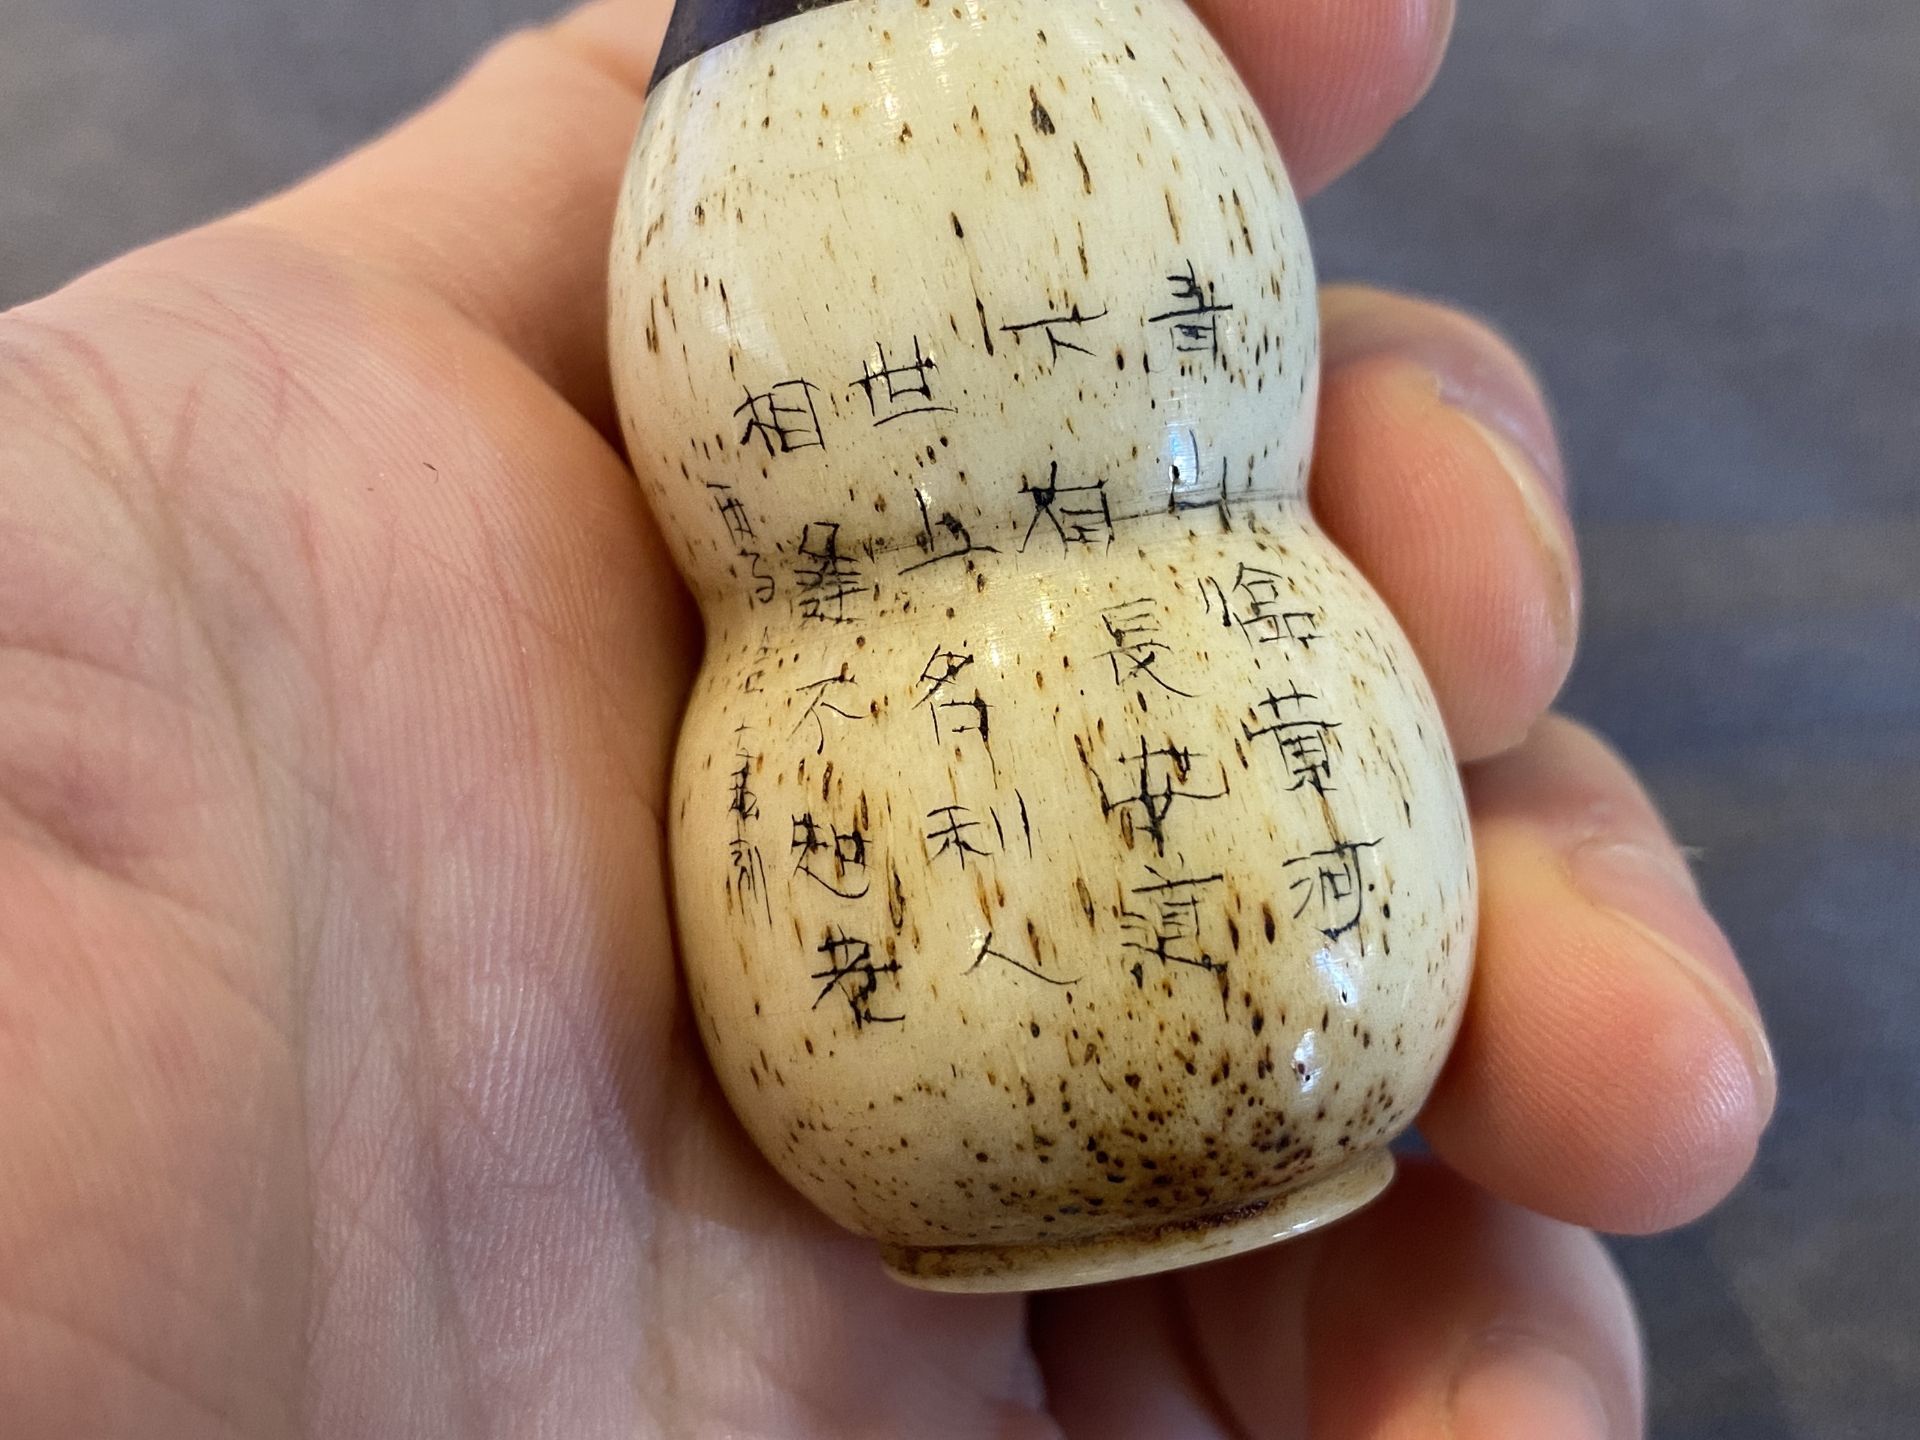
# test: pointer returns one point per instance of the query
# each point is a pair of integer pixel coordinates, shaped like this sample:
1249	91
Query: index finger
499	196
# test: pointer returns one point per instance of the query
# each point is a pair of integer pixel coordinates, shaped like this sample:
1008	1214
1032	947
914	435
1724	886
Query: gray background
1703	218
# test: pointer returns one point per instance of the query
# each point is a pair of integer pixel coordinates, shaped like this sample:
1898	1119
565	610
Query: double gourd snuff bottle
1070	869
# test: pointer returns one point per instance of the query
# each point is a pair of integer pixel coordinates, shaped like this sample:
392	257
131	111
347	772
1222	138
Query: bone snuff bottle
1070	870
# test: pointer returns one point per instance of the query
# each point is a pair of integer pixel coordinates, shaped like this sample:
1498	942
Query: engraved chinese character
963	717
825	576
1330	885
782	418
986	952
852	971
1052	326
1213	596
1079	514
943	539
739	524
1137	649
1195	321
749	873
955	832
1157	777
820	704
1186	486
832	858
1259	606
754	682
749	869
1305	741
940	671
740	530
763	586
896	391
745	805
1167	926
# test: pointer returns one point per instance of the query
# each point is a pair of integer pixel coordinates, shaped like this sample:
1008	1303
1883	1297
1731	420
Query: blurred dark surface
1702	217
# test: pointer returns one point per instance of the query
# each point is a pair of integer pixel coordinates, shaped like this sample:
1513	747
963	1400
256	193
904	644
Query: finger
1437	1313
1331	76
1611	1069
1437	471
1121	1364
500	195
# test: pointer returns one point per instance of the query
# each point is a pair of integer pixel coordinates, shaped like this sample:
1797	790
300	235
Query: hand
348	1087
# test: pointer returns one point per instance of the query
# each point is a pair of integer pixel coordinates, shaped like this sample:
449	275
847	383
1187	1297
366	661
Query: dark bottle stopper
699	25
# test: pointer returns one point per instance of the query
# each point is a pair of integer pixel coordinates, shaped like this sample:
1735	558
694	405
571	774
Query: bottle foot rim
1148	1249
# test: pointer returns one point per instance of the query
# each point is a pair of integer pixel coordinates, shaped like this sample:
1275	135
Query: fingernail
1545	517
1440	17
1515	1387
1477	372
1651	889
1477	376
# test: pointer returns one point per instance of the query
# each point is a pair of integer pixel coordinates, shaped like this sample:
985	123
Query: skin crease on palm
349	1090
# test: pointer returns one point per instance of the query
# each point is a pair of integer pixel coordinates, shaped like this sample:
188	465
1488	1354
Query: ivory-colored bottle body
1070	869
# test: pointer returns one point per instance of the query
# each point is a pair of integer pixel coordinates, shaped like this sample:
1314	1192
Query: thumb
499	195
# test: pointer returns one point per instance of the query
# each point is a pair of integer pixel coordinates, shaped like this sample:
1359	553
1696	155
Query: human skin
349	1085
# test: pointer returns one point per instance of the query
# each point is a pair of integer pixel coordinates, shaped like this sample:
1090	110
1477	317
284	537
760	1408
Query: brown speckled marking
934	919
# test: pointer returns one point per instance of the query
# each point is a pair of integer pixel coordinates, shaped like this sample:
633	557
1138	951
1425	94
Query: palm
440	674
358	1096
